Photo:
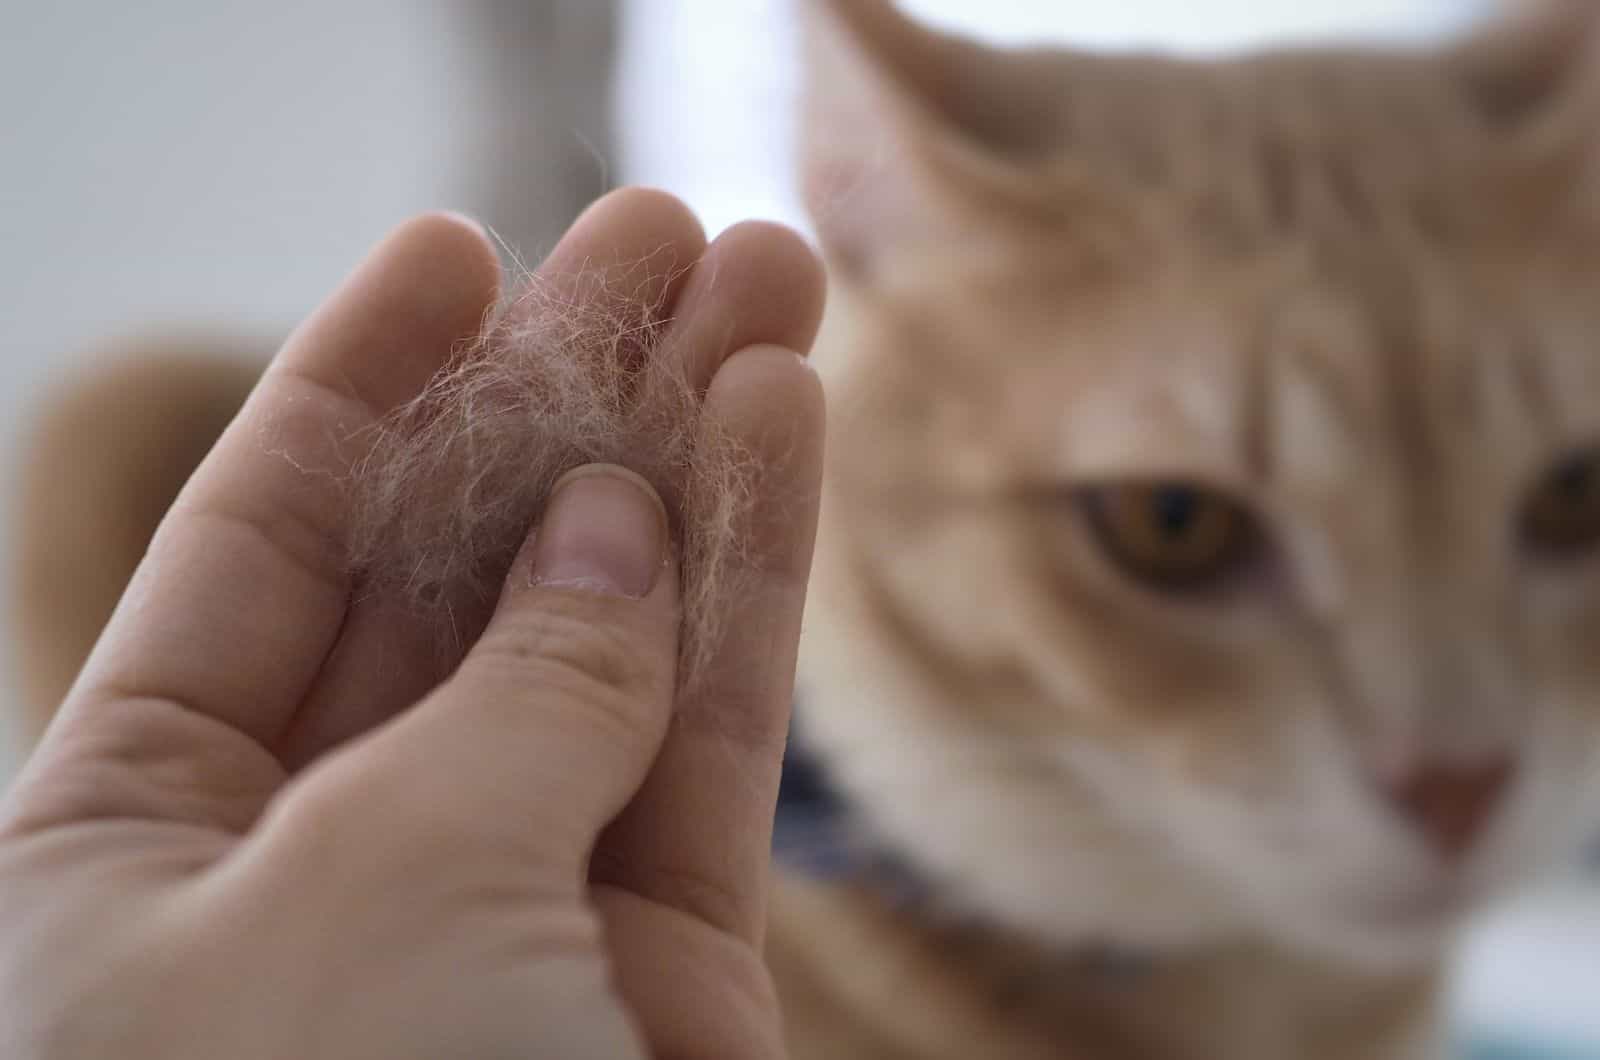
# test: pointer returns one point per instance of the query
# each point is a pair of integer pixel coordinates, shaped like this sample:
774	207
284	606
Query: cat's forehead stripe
1314	419
1528	369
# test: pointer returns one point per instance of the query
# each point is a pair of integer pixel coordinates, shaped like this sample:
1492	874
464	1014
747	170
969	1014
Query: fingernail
604	531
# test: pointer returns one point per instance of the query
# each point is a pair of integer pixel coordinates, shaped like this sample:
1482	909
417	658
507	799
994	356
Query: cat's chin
1385	936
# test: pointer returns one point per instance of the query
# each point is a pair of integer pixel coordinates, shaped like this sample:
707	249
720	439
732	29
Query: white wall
225	159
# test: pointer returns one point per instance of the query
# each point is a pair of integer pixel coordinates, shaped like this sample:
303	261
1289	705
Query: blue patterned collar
818	835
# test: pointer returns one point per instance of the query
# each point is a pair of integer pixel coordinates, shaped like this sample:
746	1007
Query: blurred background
217	166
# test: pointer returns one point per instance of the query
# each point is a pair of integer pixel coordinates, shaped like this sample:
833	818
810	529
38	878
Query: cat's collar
818	835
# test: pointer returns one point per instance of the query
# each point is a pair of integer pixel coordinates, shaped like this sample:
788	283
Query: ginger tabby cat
1210	560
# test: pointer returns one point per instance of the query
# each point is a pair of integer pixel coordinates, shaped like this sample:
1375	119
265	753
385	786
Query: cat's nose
1452	804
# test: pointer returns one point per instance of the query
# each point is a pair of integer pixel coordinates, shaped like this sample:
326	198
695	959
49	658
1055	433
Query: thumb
550	724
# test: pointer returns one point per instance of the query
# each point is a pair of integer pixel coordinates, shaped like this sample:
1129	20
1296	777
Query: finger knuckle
565	647
702	894
365	820
314	815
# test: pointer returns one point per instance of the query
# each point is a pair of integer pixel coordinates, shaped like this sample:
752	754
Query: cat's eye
1561	518
1171	535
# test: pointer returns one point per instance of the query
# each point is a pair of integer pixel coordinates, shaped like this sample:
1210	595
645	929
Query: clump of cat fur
567	371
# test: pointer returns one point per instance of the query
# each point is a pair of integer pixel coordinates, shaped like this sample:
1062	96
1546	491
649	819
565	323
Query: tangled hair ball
567	371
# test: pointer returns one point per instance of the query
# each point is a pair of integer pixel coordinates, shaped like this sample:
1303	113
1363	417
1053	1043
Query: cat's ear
1538	65
904	129
1534	81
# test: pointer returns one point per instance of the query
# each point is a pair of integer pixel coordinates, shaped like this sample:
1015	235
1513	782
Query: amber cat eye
1562	515
1173	535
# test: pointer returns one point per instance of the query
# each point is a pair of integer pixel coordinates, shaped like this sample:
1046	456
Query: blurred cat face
1213	535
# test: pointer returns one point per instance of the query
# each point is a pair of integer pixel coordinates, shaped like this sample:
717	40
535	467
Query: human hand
260	829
